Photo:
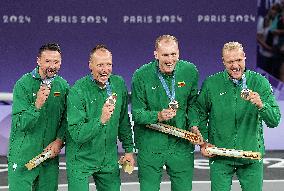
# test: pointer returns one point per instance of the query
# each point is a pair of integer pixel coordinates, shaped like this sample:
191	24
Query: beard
50	72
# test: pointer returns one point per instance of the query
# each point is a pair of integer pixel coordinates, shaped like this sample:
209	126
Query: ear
38	61
178	55
156	54
90	64
223	61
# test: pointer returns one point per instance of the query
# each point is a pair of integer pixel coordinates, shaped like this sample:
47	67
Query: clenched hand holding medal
249	95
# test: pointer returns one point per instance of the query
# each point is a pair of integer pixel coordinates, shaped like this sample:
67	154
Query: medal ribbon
244	86
108	88
171	94
244	82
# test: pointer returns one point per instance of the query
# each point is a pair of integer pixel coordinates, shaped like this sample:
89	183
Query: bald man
163	91
97	113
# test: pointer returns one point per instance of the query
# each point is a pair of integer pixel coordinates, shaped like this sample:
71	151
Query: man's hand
107	111
194	129
254	98
166	114
55	147
127	157
42	96
203	149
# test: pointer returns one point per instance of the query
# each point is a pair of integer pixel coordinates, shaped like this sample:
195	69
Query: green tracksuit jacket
34	129
149	98
228	121
90	144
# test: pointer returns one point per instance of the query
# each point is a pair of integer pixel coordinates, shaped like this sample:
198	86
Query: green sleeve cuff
155	116
194	123
61	137
35	111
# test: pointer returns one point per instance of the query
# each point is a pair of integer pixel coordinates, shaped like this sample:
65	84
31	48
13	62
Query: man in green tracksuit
230	117
38	123
156	85
97	114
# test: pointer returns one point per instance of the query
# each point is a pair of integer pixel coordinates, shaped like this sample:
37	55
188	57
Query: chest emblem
154	87
56	94
181	84
14	166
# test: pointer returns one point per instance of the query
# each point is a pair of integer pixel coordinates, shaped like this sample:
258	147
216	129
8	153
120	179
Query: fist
107	112
254	98
42	96
166	114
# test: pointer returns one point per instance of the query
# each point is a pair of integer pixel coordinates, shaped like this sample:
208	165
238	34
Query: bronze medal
111	100
173	105
245	93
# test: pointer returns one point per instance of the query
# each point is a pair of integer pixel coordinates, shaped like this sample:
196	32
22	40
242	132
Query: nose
52	65
106	68
171	58
235	64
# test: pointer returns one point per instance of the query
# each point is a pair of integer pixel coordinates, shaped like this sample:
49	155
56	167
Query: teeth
236	70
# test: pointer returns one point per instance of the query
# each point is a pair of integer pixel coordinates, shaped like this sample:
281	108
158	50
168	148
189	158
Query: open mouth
236	73
169	64
51	72
236	70
103	76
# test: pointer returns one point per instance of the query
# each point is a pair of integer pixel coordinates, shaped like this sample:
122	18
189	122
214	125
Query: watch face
173	105
245	93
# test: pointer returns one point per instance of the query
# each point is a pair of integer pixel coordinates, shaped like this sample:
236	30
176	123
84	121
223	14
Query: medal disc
245	93
111	100
173	105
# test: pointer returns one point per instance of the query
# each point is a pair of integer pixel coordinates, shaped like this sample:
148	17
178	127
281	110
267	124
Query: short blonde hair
166	37
232	46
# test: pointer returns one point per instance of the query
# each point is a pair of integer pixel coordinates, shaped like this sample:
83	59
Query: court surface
273	175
